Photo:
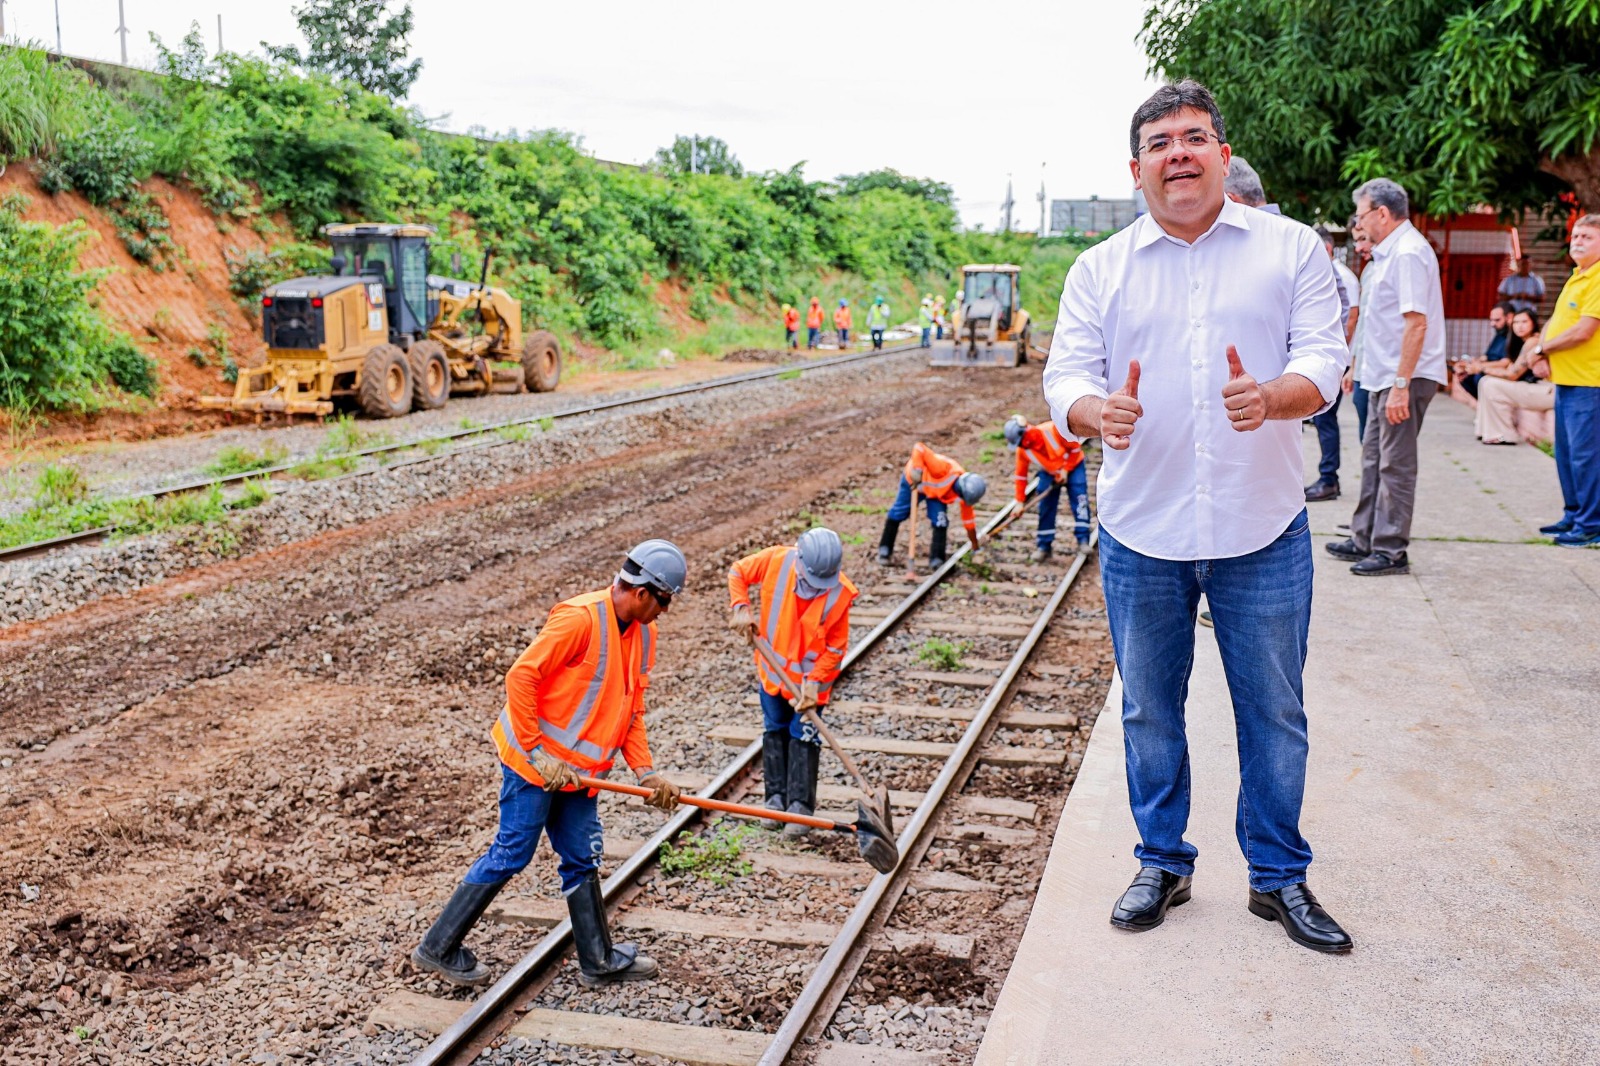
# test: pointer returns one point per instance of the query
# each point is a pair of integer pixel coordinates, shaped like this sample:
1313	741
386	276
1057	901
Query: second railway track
928	778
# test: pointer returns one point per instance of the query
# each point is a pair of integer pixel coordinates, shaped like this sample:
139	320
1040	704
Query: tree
1464	102
356	40
698	155
926	188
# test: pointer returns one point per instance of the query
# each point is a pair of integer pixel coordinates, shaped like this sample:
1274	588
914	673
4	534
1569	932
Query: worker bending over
1059	460
574	699
941	481
804	615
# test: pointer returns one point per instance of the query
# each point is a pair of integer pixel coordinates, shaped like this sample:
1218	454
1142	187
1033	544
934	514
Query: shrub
104	162
942	654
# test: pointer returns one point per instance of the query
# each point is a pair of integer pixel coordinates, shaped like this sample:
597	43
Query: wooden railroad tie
801	864
740	735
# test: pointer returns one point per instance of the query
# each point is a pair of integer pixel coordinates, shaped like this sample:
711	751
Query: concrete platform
1451	804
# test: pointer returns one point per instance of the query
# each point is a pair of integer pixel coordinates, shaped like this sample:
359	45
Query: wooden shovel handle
723	806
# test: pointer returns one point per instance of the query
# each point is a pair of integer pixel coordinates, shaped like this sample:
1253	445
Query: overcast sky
965	93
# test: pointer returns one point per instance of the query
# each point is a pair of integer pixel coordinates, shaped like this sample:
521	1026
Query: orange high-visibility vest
810	636
578	691
841	318
814	316
939	473
791	319
1045	446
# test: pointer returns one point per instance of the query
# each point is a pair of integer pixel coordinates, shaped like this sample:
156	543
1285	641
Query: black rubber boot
441	950
804	757
936	549
891	530
775	772
599	961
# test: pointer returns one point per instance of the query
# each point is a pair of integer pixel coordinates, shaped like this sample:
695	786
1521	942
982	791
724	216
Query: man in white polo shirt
1402	367
1221	326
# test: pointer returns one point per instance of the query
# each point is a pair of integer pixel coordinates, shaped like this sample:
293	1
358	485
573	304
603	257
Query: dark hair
1533	316
1506	308
1169	98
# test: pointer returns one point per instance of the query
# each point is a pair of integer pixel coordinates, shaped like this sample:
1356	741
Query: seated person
1509	387
1496	354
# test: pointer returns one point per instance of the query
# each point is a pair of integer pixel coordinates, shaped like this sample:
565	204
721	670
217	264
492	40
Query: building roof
380	229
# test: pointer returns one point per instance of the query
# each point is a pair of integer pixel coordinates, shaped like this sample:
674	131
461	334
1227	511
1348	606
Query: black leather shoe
1345	549
1380	565
1144	905
1557	528
1303	918
1322	490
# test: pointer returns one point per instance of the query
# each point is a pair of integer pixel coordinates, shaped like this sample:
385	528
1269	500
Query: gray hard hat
971	487
657	563
1015	427
821	554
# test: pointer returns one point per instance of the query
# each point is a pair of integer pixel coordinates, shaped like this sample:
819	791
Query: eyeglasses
1363	214
662	598
1194	139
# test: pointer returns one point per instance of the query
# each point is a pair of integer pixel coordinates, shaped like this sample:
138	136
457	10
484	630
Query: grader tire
385	382
430	376
541	361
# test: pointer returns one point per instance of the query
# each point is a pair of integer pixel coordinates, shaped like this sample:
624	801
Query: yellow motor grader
383	333
990	328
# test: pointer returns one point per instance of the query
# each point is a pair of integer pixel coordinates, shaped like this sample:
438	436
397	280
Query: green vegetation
520	431
1547	447
237	460
978	568
942	654
715	856
62	506
546	424
790	375
1497	104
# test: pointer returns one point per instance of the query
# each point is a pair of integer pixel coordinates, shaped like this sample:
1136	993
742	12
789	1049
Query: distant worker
791	326
1059	459
877	322
841	322
938	318
574	699
925	319
813	322
804	614
941	481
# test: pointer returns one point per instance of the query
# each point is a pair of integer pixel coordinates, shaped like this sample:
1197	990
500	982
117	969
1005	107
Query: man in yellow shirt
1571	342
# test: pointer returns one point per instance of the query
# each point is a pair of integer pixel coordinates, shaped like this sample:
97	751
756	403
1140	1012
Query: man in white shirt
1402	367
1221	325
1326	487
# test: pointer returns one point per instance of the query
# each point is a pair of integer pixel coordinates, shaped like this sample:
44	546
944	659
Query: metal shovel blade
875	840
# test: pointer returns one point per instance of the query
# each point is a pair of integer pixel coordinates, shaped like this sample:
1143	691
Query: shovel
911	550
879	797
1017	511
876	846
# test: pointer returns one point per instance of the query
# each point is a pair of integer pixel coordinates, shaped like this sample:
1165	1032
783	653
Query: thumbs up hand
1246	408
1120	411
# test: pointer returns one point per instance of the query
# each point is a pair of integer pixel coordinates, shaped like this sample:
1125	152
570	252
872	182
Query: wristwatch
1402	383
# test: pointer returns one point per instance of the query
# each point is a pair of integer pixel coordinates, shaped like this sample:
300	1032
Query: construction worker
813	322
1059	459
574	698
877	322
804	615
925	318
841	322
791	326
941	481
938	318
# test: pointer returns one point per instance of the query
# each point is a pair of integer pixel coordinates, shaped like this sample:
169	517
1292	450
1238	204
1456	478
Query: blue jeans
572	820
925	332
844	336
877	338
1261	606
900	510
1578	455
1050	498
1327	424
811	337
938	332
778	713
1358	397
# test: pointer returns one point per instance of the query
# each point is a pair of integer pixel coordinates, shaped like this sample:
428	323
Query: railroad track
484	436
510	1007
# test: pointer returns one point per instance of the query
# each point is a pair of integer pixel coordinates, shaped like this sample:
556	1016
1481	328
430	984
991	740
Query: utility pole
1044	230
219	33
2	20
58	27
122	31
1007	207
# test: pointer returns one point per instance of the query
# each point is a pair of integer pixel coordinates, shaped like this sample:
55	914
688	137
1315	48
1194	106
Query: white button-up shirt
1403	276
1190	486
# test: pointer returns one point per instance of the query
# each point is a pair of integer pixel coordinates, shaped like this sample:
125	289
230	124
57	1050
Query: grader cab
990	327
383	333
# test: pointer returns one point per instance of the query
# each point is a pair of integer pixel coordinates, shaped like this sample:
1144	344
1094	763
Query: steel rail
483	1010
36	547
832	970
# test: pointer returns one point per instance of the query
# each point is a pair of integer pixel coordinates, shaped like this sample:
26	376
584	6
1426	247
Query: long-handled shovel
911	550
878	796
1017	512
877	847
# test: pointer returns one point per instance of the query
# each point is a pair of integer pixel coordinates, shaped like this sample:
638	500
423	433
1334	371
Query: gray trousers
1382	522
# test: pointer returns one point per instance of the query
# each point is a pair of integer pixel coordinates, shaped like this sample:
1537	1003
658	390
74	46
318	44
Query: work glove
557	774
915	478
742	622
808	696
664	794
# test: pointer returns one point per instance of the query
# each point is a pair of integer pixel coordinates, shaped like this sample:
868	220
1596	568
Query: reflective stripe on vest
781	590
570	736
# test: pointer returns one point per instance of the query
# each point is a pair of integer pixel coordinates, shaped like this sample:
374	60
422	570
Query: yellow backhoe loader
384	334
990	328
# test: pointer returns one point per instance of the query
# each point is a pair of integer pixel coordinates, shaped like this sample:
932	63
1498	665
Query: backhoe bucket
967	353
